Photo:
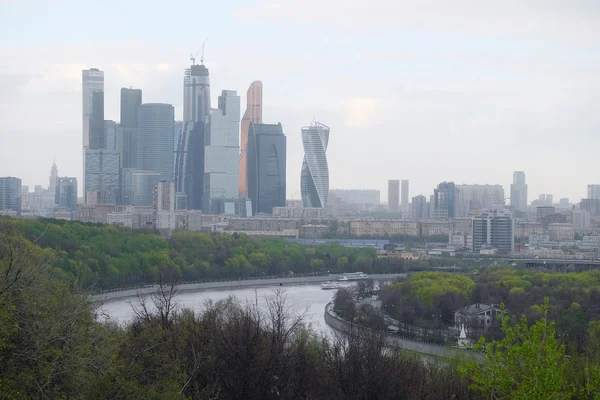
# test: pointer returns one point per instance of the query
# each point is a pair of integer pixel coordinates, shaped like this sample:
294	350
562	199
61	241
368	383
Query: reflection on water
309	298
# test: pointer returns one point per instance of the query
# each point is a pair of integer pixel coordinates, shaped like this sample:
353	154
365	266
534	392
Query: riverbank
224	285
419	346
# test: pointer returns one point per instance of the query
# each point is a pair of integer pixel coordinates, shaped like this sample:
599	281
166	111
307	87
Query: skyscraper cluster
212	168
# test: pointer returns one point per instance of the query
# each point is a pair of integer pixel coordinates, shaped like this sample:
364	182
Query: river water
307	299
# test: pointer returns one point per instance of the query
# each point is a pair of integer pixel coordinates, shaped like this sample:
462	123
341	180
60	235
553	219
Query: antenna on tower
202	57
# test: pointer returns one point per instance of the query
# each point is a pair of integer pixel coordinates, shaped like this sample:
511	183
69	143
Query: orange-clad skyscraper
253	114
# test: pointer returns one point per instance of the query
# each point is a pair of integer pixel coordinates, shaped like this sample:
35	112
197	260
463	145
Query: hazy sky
428	91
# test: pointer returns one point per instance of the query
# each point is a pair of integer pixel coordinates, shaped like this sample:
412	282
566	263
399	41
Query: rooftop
477	308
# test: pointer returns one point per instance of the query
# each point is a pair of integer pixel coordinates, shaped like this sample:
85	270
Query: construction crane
193	57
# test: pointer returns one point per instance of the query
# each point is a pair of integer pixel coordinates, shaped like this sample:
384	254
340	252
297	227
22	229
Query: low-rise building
262	224
299	213
381	227
526	229
476	317
561	231
437	227
313	231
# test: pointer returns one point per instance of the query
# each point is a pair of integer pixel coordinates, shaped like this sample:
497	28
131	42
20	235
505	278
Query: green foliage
528	363
103	256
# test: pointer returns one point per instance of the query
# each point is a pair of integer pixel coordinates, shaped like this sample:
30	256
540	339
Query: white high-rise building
164	196
222	151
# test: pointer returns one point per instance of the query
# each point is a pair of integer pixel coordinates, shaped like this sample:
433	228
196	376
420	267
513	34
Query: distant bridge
556	262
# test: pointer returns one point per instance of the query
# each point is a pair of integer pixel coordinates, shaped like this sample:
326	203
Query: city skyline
444	91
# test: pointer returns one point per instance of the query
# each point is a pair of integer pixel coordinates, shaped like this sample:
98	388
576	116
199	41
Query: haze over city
456	93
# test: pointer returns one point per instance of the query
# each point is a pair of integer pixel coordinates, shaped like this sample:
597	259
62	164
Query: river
300	298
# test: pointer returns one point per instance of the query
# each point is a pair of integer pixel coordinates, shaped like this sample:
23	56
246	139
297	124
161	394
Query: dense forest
429	299
52	346
106	257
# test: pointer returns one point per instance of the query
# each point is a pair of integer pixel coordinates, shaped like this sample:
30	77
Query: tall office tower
405	204
314	178
102	177
265	167
393	195
189	156
66	194
93	106
518	192
419	208
479	197
495	229
445	197
155	138
92	92
222	152
164	196
10	195
53	176
252	115
127	131
24	190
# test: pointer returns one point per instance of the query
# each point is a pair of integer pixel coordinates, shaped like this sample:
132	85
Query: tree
344	304
528	363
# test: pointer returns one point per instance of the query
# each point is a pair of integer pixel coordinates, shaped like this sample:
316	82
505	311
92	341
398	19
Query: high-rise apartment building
404	205
419	208
495	229
252	115
66	194
10	195
265	167
222	151
102	177
445	205
164	196
314	178
190	153
155	135
593	192
518	192
393	195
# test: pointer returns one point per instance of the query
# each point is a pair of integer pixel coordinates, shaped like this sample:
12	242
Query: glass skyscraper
189	155
314	178
222	151
266	167
92	82
155	138
253	114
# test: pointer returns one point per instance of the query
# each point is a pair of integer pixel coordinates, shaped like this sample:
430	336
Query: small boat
330	285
